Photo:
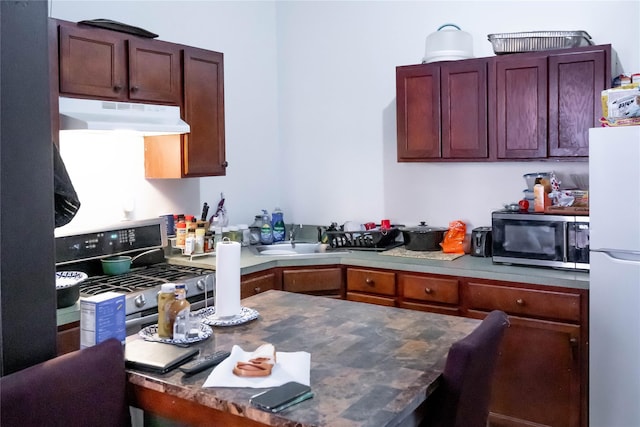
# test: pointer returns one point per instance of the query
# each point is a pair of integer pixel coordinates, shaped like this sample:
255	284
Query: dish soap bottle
254	230
266	232
277	221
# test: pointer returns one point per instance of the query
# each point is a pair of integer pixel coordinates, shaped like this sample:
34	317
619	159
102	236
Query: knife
205	211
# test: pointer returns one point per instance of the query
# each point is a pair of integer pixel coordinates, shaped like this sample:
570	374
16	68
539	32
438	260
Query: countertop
370	365
465	266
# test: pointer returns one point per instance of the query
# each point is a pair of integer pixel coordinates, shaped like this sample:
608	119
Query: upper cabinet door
418	112
464	109
204	146
154	71
575	85
102	64
521	107
92	63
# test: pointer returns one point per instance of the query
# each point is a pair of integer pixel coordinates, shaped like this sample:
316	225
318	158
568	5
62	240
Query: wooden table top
370	365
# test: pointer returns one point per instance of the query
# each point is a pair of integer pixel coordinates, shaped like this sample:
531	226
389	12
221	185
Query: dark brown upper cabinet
102	64
442	111
527	106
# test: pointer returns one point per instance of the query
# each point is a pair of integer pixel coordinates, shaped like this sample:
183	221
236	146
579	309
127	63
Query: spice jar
165	297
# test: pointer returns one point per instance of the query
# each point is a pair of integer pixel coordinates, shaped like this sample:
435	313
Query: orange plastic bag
453	242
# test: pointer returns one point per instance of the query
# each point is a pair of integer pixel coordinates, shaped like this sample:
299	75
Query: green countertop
465	266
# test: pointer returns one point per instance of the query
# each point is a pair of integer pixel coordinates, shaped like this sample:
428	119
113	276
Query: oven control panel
127	237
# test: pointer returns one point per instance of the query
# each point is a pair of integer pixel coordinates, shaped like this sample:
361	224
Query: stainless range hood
147	119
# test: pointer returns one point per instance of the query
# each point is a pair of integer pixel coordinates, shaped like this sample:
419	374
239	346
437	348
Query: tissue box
102	317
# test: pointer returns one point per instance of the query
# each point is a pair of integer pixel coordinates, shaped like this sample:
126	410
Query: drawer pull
369	281
428	291
134	89
257	289
117	88
520	301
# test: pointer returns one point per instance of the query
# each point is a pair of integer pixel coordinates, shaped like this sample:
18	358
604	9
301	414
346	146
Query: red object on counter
524	205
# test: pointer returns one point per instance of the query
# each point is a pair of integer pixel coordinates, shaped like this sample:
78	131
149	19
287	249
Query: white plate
65	279
209	317
150	333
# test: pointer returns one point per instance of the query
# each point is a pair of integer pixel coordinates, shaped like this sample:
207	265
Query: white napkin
293	366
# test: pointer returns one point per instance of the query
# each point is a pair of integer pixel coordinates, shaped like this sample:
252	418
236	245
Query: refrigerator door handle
632	256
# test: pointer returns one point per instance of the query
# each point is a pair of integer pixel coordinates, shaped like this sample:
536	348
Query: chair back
465	393
83	388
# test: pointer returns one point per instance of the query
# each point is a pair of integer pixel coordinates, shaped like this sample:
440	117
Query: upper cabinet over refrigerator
614	188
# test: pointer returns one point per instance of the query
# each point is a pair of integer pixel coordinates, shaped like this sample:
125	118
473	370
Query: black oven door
531	239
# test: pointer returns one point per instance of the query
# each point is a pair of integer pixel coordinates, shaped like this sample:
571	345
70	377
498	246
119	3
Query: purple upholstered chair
83	388
462	399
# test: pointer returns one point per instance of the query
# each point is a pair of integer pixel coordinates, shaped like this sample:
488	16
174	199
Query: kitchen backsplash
107	172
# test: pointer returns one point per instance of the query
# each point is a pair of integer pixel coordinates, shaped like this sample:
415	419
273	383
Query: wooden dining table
370	365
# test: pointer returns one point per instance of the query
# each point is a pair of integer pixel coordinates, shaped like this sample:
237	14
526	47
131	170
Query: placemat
439	255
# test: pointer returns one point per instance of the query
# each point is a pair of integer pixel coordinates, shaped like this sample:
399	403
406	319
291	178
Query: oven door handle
142	321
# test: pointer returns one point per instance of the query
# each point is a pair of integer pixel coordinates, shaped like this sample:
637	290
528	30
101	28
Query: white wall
310	100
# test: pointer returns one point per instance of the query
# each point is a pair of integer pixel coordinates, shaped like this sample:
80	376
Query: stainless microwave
537	239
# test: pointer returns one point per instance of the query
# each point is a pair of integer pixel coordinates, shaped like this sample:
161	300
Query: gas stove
145	241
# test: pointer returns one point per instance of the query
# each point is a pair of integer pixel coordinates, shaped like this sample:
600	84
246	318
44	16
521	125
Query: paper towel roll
227	298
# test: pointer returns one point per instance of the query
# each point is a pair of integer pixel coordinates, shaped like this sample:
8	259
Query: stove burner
140	278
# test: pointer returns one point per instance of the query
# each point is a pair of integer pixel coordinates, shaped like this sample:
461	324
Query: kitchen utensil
448	45
116	265
481	240
68	287
423	237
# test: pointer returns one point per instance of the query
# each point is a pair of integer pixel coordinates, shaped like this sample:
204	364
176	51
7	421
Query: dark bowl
68	287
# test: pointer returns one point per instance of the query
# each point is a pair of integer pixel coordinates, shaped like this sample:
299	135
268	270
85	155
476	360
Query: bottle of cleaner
277	222
266	232
255	229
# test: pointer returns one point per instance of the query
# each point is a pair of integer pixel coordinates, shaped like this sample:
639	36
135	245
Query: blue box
102	317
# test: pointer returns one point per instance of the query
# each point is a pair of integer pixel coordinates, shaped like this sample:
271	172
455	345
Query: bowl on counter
68	287
116	265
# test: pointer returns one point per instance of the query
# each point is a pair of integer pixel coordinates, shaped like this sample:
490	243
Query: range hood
147	119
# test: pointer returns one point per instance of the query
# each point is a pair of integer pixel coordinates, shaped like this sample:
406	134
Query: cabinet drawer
371	299
370	281
527	302
428	289
253	285
312	280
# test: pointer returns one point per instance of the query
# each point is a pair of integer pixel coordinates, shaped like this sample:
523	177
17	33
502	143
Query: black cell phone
281	397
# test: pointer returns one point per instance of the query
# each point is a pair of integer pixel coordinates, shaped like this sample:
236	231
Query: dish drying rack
373	240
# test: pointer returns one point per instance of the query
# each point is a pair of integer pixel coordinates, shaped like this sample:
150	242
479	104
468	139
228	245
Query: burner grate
140	278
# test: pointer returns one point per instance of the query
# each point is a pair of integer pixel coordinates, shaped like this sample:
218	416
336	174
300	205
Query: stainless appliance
614	279
147	119
145	240
481	242
537	239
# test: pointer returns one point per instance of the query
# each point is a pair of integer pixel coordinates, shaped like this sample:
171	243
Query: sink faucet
292	234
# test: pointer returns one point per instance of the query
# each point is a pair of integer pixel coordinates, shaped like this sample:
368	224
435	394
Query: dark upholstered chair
82	388
462	399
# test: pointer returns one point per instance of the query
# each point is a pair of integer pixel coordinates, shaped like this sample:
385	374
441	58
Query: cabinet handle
427	290
225	164
117	88
134	88
369	282
520	301
257	289
574	344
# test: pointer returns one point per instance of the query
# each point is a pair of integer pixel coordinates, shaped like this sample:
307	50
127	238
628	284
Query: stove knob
140	301
200	284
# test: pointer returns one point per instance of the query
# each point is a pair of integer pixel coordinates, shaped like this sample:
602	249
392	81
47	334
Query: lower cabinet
68	338
372	286
255	283
542	371
541	376
324	281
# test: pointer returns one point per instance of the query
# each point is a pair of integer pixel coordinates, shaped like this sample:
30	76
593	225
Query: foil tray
535	41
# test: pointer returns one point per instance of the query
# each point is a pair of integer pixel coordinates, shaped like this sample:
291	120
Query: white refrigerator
614	277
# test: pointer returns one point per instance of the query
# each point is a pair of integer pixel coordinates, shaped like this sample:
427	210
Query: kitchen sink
292	249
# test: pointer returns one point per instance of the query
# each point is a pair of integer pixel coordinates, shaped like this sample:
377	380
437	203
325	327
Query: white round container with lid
448	44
